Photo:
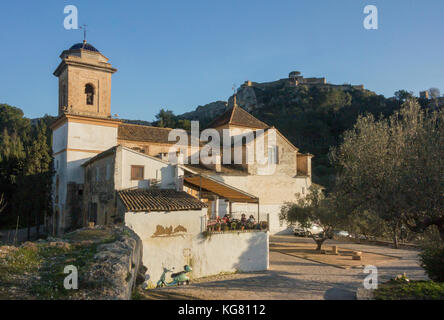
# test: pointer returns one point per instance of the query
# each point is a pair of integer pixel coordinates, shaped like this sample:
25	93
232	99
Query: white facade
154	170
73	144
220	252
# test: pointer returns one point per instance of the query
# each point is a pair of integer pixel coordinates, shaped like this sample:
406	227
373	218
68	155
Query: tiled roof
240	117
143	133
136	200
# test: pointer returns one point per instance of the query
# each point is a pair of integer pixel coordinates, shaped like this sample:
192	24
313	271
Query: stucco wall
73	144
85	136
224	252
230	252
153	169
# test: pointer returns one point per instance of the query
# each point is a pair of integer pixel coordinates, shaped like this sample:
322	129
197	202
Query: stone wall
119	263
99	191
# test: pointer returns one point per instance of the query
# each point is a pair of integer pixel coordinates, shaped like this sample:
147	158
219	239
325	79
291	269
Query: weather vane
84	31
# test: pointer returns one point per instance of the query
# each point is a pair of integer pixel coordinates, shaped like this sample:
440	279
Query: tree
314	209
2	203
393	167
12	162
167	119
13	121
403	95
34	198
435	93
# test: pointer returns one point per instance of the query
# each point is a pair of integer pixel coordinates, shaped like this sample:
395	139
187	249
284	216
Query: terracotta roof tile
143	133
136	200
240	117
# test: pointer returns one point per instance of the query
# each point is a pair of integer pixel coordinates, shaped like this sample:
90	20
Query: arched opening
89	91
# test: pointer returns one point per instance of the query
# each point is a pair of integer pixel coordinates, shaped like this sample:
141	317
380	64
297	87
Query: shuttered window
137	172
273	155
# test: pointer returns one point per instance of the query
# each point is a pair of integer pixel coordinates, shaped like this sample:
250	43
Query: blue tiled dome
84	46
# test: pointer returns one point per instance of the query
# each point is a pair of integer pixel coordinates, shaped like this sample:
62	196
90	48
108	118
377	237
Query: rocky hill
204	114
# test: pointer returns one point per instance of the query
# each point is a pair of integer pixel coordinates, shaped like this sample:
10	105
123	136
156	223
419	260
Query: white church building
106	168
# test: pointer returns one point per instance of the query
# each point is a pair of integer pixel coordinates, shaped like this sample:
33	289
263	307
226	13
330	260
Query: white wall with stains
207	255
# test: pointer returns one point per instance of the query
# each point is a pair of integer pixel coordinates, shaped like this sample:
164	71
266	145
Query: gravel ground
292	278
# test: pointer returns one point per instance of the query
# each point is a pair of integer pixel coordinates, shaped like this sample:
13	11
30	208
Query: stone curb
364	294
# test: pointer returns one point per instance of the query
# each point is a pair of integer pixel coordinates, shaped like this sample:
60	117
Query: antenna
84	32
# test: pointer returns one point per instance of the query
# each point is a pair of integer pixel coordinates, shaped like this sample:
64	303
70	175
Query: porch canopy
205	183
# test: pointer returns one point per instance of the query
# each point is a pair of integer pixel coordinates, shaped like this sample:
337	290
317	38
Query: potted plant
233	225
217	226
264	225
224	227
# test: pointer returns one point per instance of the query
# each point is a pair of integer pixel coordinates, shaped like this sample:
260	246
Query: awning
223	190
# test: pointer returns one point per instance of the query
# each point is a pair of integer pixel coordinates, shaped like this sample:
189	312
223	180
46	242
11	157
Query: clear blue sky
180	54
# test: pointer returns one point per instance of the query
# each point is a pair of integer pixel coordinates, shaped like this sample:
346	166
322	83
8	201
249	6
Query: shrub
432	260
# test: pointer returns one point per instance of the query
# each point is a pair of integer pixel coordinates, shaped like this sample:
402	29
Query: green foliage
432	260
25	167
403	95
412	290
12	120
392	168
314	209
167	119
18	262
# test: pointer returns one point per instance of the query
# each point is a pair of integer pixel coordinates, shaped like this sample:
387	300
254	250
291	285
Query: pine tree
36	179
12	161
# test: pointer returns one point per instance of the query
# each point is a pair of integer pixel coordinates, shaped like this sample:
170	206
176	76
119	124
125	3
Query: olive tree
393	168
314	209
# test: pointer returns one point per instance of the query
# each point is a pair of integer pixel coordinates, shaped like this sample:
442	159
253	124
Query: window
89	92
273	157
108	171
137	172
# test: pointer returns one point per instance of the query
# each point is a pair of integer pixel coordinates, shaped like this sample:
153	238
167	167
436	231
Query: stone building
96	156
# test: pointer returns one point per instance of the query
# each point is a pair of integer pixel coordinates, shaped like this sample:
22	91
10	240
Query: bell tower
84	82
83	129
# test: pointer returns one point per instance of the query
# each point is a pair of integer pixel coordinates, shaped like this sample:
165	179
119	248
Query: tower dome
85	46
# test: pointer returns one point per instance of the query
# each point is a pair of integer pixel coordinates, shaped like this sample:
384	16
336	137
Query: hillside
309	111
